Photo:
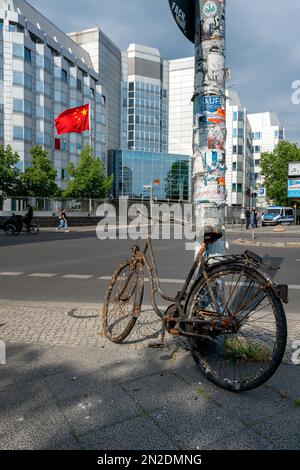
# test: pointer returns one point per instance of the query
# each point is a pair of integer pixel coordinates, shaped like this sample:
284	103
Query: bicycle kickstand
161	344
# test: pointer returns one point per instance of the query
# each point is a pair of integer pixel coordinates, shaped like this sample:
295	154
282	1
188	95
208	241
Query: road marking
10	274
76	276
42	275
146	279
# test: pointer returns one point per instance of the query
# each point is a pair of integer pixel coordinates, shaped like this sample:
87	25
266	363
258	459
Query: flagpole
90	126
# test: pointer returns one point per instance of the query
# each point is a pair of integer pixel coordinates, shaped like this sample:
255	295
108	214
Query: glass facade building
45	73
138	173
144	106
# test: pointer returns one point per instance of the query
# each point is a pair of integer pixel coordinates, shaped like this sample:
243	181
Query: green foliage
274	166
39	178
176	183
88	179
10	181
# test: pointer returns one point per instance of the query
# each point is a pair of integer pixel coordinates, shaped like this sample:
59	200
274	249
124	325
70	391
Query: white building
266	133
181	89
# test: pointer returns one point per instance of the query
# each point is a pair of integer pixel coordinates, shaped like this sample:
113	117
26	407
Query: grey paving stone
195	423
158	390
283	430
244	440
32	419
287	380
37	437
136	434
250	407
97	408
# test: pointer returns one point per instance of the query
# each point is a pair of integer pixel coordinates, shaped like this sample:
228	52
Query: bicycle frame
150	264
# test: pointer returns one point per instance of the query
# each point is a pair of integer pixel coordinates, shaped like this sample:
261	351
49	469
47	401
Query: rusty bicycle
230	311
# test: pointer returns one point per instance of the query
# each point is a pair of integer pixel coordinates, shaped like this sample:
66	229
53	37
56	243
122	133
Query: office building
266	133
143	175
42	73
181	89
106	60
144	111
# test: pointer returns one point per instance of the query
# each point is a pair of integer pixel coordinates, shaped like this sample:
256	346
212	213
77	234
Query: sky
263	43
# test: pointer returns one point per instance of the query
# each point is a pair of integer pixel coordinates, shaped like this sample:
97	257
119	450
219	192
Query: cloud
262	42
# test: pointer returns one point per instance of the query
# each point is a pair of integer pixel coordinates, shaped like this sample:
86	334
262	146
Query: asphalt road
68	267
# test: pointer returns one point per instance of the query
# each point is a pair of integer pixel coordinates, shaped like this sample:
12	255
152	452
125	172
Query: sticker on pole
184	14
210	8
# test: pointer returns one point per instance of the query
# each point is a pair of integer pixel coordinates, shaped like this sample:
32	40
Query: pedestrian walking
63	222
248	214
255	217
28	217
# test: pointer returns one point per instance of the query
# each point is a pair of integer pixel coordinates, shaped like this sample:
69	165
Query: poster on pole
184	15
294	169
294	188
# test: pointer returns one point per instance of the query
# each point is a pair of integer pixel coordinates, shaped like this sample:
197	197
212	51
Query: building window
279	134
257	149
239	188
28	135
235	116
1	25
131	86
18	78
240	150
234	187
257	135
57	144
18	133
39	138
18	106
234	166
28	81
79	85
47	64
27	55
257	162
257	176
64	76
234	149
18	50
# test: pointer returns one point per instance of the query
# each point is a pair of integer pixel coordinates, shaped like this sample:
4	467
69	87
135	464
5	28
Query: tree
274	168
88	179
10	180
39	178
177	181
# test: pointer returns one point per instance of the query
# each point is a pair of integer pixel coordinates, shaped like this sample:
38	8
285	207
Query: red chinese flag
74	120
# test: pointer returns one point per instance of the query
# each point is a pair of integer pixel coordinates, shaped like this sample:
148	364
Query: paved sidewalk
65	387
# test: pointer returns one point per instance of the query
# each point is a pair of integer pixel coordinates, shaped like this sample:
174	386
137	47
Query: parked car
278	215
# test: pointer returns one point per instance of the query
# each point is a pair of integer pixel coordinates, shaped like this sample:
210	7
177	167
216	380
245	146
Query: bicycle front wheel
34	229
122	297
248	353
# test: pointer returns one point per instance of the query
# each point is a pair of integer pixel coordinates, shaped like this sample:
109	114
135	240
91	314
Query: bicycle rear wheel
123	295
247	354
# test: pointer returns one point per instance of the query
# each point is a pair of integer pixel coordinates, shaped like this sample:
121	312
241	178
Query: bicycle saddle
211	235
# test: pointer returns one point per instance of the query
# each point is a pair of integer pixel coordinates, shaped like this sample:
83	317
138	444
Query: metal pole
209	133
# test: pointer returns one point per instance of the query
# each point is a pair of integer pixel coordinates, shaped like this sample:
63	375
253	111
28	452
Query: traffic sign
156	182
184	14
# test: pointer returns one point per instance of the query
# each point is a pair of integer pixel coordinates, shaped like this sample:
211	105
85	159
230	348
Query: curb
241	241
